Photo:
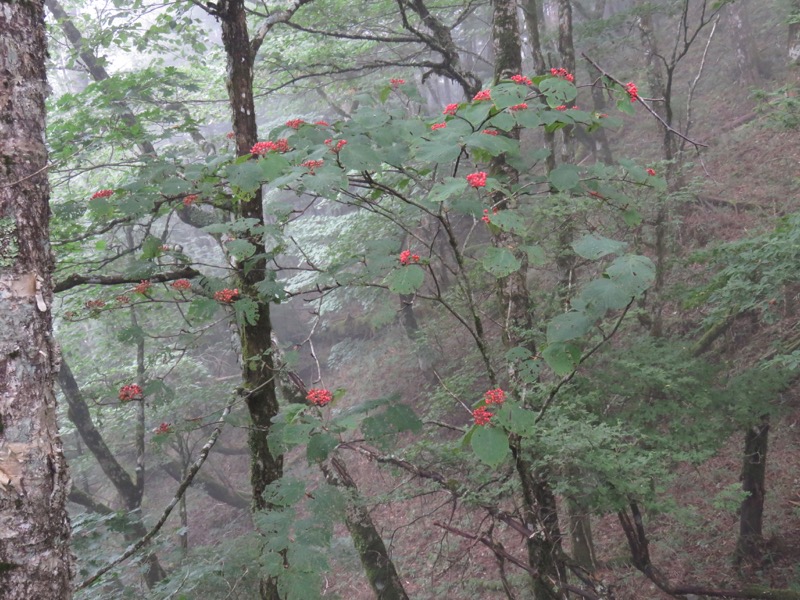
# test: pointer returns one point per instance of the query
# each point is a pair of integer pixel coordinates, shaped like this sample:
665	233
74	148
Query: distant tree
35	559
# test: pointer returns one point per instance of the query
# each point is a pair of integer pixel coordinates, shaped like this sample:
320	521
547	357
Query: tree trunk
539	505
258	372
754	472
375	559
35	559
793	44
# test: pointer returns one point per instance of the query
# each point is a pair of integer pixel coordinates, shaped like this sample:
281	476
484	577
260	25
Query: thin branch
187	481
660	119
75	280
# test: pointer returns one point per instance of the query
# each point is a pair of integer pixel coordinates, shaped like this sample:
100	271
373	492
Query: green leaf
595	246
601	295
509	220
490	445
174	186
151	247
536	255
503	121
272	166
202	309
508	94
493	144
382	428
632	217
319	447
632	273
240	249
558	91
568	326
562	357
359	155
405	280
246	176
451	186
500	262
565	177
246	311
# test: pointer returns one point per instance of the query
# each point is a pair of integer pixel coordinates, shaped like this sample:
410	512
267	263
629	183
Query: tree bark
378	565
754	473
793	44
257	362
539	504
35	559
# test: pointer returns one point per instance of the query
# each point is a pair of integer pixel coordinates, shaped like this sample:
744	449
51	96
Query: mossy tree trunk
754	473
35	558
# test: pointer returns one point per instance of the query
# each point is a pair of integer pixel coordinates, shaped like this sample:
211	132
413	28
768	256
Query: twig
187	481
647	106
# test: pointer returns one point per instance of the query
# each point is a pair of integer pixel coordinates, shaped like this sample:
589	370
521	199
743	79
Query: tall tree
35	559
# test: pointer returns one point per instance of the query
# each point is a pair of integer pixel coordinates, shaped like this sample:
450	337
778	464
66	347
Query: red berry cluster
230	135
477	180
319	396
130	392
516	107
436	126
495	396
406	258
322	123
490	131
450	109
483	95
143	287
651	172
261	148
563	74
562	107
102	194
312	164
521	79
190	199
94	304
163	428
485	218
632	90
295	123
482	415
123	299
337	147
181	284
227	296
396	81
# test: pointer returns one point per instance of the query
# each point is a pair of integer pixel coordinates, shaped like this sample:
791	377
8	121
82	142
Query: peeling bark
35	559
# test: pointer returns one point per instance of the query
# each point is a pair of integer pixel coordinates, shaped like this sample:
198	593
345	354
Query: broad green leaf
320	446
508	94
202	309
174	186
451	186
246	176
595	246
151	247
601	295
405	279
568	326
500	262
490	445
240	249
504	121
561	357
536	255
493	144
565	177
272	166
359	155
246	311
509	220
632	273
528	119
558	91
